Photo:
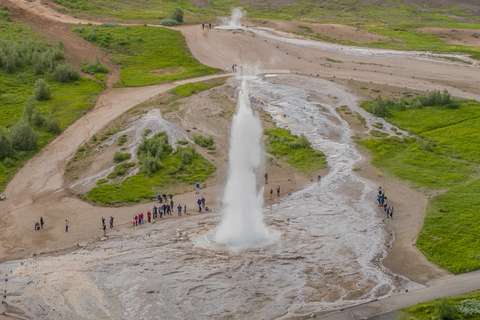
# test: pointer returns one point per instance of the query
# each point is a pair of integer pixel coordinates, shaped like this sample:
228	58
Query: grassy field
146	55
443	157
68	101
139	187
465	307
294	150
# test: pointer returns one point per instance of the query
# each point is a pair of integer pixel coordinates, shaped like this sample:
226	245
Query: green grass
296	151
69	101
187	89
444	157
409	160
146	55
450	231
428	310
139	188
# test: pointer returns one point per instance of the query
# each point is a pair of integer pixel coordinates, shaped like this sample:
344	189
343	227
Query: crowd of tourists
166	207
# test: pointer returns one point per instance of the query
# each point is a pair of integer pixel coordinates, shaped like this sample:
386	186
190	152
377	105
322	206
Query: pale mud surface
329	252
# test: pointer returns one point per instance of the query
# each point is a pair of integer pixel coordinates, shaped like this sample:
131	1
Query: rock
103	238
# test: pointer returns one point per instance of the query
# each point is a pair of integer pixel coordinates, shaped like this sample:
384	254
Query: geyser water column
242	222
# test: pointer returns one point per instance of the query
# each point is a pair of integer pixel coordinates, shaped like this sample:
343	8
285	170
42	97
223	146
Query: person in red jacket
149	216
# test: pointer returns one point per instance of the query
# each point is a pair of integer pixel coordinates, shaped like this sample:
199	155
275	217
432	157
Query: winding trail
270	51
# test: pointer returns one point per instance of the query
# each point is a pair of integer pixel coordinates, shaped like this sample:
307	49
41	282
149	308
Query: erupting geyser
232	23
242	223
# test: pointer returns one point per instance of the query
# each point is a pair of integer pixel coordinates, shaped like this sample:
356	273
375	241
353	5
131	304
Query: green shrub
94	67
66	73
4	8
120	170
41	91
52	125
109	24
28	110
468	307
182	142
150	165
445	310
6	148
102	181
177	15
9	163
156	147
203	141
122	139
169	23
119	157
187	154
37	118
23	137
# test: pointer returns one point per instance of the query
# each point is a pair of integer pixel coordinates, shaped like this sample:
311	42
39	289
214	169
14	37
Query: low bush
66	73
94	67
102	181
177	15
149	165
42	90
23	137
169	23
187	154
157	147
383	107
122	139
203	141
119	157
6	148
120	170
469	307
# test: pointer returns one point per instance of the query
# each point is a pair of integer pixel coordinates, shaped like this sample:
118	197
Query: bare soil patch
463	37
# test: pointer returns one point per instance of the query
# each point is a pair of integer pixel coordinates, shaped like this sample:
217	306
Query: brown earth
37	191
462	37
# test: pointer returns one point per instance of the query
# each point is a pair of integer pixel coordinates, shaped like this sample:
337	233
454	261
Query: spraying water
234	21
242	224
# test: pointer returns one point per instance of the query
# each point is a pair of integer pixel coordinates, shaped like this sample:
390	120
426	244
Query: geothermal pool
328	254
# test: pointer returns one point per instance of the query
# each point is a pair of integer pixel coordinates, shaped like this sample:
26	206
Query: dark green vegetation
204	141
454	308
187	89
146	55
94	67
444	156
37	101
394	19
160	168
294	150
